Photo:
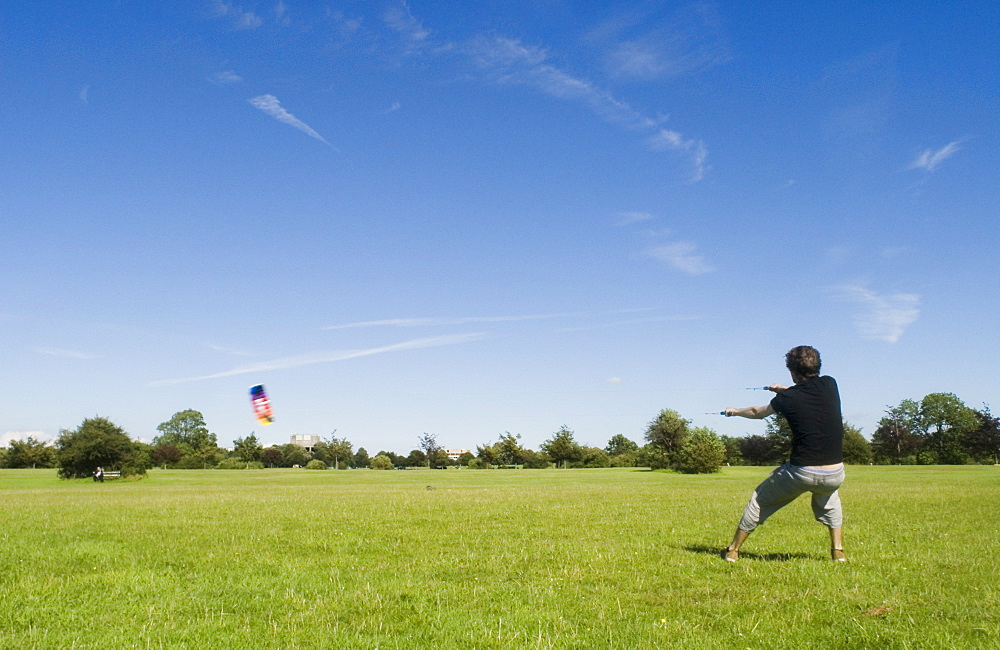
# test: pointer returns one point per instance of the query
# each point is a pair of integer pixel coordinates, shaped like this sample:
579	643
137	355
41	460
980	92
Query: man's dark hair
803	361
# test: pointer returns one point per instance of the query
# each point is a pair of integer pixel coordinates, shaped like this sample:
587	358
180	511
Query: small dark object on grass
882	610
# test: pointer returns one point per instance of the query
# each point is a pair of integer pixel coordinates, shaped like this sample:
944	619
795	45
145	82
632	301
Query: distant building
453	454
307	442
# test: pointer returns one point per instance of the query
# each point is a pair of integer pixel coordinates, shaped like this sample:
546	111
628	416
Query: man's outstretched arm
751	412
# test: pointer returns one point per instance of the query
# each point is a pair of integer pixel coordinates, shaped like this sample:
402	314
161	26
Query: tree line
939	429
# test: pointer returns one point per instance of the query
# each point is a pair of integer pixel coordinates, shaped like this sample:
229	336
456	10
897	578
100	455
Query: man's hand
777	388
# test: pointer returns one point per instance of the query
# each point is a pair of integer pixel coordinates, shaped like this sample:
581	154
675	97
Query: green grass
566	559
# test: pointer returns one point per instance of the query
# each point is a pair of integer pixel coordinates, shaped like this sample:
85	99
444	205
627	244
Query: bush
857	450
652	457
702	453
98	442
316	463
536	460
381	462
627	459
192	462
595	457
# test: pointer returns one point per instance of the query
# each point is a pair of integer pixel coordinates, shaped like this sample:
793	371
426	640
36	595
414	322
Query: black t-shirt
812	409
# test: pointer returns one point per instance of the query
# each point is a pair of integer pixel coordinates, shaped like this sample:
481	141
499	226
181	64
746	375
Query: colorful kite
261	405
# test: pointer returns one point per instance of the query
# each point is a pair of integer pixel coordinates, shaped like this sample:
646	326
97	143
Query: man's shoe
730	555
838	555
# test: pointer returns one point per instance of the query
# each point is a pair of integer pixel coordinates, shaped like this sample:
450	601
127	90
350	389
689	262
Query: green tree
619	445
186	428
628	459
320	451
652	456
946	421
361	458
381	461
896	440
30	453
97	442
248	449
595	457
487	455
394	458
667	432
272	457
166	455
562	448
416	459
779	438
757	450
508	449
857	450
702	452
293	455
429	444
340	452
733	454
535	459
983	442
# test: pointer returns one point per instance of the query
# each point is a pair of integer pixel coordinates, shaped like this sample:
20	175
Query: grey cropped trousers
787	483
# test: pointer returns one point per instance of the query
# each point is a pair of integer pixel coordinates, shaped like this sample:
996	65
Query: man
816	464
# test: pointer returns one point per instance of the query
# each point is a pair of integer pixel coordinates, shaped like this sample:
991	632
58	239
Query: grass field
481	559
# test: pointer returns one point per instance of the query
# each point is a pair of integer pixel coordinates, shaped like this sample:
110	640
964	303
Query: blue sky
471	218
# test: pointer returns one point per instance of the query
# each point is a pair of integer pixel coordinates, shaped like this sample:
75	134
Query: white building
453	454
302	440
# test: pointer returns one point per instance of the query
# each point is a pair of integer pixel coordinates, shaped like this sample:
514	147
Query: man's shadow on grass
745	555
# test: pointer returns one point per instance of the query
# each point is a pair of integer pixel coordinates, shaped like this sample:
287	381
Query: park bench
111	475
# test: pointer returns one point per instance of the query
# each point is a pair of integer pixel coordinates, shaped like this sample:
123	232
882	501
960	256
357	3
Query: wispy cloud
281	14
614	380
883	318
505	60
225	78
437	322
637	59
270	105
929	160
401	20
84	94
222	349
628	218
65	354
645	48
392	109
240	18
682	256
510	61
328	357
667	140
